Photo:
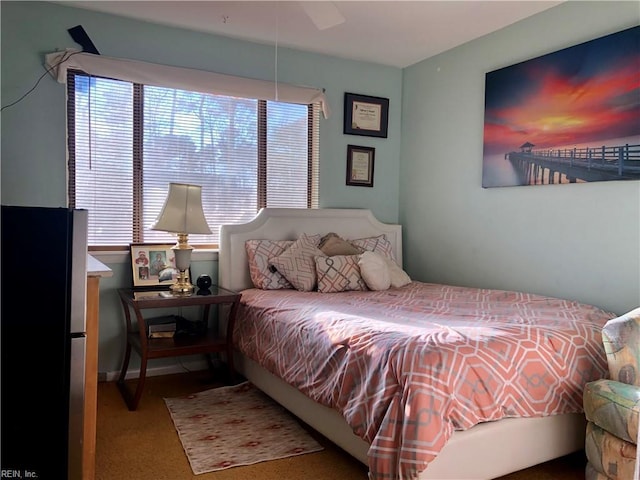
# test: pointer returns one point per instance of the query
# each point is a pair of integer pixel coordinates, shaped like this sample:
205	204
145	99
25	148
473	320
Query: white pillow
377	270
399	278
374	271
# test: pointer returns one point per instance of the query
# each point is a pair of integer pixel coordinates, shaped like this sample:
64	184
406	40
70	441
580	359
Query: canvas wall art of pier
570	116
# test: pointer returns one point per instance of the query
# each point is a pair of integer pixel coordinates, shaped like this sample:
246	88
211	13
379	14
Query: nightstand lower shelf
153	348
175	347
164	348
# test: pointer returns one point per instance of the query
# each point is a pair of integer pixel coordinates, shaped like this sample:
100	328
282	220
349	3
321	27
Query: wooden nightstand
150	348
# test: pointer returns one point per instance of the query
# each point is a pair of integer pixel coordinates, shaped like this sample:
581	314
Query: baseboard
193	366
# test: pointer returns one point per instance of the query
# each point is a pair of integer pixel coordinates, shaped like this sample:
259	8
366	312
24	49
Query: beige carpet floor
144	445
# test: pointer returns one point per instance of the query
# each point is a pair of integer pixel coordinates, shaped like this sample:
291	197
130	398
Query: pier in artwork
570	165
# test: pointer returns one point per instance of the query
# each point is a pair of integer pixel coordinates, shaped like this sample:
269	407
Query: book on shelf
162	327
162	334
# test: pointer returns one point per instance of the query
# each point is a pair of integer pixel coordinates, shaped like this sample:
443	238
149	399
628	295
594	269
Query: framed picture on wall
365	115
360	162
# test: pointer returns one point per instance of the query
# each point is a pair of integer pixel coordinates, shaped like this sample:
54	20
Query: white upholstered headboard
288	224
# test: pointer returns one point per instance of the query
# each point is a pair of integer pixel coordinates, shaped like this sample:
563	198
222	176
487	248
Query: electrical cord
48	70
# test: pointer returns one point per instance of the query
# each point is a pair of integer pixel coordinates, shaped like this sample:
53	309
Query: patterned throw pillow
378	244
297	263
332	244
339	273
260	252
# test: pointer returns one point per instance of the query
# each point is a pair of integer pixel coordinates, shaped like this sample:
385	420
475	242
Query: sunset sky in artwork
586	93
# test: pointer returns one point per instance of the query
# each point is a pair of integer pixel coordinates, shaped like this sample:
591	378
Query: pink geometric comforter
408	366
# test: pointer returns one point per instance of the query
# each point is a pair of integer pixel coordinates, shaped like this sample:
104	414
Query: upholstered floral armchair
612	406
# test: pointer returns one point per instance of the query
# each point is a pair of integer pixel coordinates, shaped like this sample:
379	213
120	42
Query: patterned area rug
238	425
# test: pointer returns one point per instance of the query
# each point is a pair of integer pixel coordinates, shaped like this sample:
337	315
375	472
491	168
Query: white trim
112	257
196	365
57	63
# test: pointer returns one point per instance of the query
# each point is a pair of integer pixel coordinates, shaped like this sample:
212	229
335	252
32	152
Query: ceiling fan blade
323	14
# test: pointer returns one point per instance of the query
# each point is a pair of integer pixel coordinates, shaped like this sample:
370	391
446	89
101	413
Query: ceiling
394	33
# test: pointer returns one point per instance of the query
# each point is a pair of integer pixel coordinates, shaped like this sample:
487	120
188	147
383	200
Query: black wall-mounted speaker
80	36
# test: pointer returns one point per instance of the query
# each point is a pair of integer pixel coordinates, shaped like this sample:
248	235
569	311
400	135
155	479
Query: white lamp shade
182	211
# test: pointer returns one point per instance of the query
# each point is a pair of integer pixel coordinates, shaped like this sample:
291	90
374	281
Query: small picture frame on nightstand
153	265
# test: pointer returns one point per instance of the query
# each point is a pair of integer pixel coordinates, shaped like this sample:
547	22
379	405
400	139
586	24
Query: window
127	141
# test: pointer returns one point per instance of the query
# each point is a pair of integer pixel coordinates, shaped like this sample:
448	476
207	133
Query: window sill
111	257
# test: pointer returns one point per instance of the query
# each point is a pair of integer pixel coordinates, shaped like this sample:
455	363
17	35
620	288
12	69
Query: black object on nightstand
204	282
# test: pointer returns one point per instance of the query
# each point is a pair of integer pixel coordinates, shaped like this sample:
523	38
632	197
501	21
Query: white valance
178	77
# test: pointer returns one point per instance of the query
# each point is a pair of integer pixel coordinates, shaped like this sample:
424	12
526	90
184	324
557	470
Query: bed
383	425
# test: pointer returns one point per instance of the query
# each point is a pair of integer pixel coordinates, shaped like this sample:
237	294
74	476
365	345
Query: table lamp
182	214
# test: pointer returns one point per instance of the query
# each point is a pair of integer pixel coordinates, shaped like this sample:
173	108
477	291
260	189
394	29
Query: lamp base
182	285
182	288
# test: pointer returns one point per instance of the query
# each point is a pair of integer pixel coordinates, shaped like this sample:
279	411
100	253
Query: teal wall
33	131
579	241
575	241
